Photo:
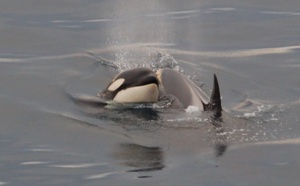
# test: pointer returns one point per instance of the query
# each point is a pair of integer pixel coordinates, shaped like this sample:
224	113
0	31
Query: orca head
138	85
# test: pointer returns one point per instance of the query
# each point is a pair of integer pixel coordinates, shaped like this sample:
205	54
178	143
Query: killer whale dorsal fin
215	98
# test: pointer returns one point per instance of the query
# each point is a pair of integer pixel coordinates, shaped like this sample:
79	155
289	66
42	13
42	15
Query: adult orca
142	85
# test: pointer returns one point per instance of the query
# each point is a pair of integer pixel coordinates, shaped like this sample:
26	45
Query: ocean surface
53	54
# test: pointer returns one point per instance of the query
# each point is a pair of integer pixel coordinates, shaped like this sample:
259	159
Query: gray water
54	51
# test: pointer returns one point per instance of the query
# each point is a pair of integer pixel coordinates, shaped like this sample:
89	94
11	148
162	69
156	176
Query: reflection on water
123	115
140	157
221	136
144	158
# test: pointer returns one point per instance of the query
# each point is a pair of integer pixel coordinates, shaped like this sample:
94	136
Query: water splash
132	26
265	122
137	55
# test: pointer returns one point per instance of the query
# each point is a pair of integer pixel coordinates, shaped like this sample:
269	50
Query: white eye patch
116	84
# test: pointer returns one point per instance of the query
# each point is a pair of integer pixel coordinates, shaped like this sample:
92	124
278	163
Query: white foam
81	21
282	13
76	166
103	175
34	163
222	9
236	53
42	150
174	13
69	26
295	141
250	114
183	12
192	109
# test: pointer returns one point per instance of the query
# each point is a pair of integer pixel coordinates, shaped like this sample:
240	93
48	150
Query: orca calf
142	85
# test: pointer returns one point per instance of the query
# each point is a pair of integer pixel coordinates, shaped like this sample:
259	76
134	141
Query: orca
143	85
138	85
